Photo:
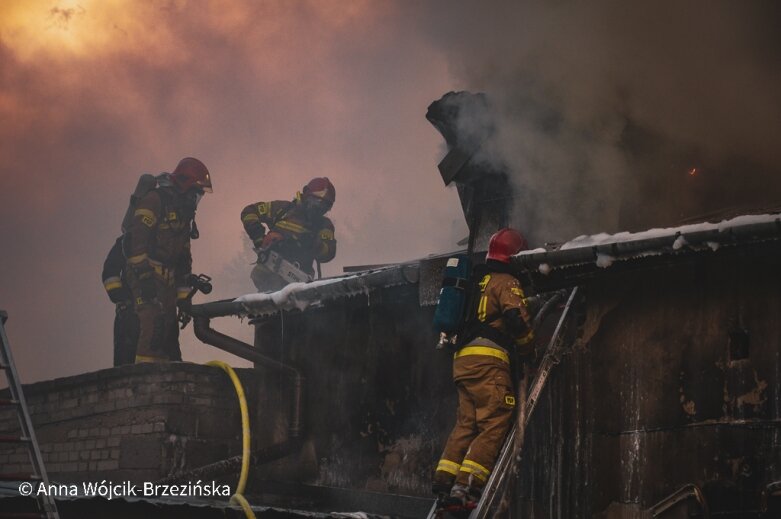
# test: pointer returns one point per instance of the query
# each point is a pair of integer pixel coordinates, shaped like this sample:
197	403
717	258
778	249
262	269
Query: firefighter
159	262
125	318
297	230
481	372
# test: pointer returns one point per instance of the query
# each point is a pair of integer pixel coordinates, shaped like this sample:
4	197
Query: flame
693	171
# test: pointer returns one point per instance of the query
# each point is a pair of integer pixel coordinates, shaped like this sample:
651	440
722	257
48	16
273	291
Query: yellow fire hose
238	497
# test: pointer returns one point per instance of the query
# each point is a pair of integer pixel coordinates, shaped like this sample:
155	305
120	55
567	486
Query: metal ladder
504	463
46	503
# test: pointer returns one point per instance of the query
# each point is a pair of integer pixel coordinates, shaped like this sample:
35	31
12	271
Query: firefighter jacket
159	235
502	315
306	238
114	274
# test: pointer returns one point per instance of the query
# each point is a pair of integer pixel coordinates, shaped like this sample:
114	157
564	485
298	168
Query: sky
601	110
267	94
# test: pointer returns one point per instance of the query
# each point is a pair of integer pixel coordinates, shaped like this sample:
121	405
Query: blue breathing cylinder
449	315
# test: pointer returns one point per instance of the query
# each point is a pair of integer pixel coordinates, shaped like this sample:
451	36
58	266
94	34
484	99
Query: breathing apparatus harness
456	316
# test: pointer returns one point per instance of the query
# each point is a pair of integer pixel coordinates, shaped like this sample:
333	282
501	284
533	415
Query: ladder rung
14	439
46	503
18	476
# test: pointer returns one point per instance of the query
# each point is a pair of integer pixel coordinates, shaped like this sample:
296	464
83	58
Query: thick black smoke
620	116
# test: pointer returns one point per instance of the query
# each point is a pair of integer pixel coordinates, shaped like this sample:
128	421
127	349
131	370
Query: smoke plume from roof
615	115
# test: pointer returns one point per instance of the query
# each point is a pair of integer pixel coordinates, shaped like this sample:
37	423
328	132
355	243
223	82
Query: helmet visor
205	183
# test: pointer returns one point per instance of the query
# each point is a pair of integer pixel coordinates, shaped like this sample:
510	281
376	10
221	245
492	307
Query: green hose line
238	496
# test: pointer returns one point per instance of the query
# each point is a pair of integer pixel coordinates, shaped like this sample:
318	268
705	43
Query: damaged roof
589	253
603	251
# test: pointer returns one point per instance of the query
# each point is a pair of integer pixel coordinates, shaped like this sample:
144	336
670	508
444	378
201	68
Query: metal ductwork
465	120
208	335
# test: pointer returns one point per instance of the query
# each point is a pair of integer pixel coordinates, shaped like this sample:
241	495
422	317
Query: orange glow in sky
268	94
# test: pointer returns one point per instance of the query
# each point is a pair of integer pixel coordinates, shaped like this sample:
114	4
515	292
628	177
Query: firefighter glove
184	305
271	239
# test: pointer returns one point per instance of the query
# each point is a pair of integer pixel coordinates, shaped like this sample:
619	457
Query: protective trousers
158	337
485	406
125	334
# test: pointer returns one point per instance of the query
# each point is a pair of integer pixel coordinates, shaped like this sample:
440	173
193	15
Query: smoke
267	94
601	110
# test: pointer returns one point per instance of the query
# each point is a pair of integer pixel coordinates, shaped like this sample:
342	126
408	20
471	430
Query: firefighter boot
442	483
461	499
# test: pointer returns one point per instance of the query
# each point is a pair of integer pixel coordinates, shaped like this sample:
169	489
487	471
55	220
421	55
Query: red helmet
504	243
192	172
322	188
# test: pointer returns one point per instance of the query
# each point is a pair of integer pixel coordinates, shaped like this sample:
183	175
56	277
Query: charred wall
676	382
378	396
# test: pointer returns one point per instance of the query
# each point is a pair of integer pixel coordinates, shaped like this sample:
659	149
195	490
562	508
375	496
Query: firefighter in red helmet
481	371
297	230
159	263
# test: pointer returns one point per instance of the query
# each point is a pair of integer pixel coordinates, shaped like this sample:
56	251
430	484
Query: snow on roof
303	295
603	238
603	249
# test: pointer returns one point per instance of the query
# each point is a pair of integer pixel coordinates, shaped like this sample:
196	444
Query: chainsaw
288	271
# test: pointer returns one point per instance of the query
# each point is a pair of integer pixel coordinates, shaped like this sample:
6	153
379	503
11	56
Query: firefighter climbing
159	263
290	236
498	325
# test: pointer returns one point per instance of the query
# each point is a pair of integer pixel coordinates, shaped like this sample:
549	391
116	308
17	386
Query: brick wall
138	422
